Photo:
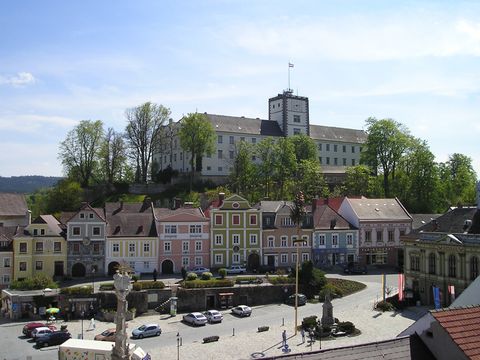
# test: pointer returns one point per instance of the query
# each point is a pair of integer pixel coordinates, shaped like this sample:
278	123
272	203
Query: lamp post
93	279
83	316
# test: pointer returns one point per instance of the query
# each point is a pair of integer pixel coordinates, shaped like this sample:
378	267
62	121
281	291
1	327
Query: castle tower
290	112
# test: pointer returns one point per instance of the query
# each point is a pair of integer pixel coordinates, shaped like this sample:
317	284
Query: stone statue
327	316
122	284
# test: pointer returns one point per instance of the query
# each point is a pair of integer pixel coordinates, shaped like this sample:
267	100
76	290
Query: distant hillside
26	184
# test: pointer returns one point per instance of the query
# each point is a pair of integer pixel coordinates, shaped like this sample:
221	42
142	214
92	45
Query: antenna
290	65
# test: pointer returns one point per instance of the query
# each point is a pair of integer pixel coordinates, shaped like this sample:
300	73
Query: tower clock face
86	241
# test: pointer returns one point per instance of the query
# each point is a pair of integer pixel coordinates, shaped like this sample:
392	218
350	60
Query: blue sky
64	61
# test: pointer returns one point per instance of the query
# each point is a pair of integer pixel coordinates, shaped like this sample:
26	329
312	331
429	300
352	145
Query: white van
91	349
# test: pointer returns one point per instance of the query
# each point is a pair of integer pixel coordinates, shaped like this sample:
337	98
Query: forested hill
26	184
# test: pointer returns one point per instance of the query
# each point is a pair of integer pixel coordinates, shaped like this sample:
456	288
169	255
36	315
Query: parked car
54	338
302	300
146	331
355	268
107	335
213	316
199	270
242	310
236	269
195	318
41	331
28	328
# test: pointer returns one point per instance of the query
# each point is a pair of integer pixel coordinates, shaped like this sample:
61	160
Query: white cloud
30	123
18	80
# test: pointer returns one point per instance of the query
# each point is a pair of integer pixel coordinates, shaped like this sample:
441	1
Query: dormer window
90	215
82	216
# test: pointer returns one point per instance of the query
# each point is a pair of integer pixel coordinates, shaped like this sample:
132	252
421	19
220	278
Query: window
270	241
209	168
232	140
327	147
231	154
170	229
6	279
185	262
353	162
96	230
198	261
198	246
368	236
218	219
344	148
253	239
146	247
76	248
296	131
209	155
220	139
335	148
287	221
42	231
283	258
146	264
90	215
305	257
218	258
23	266
185	246
253	219
57	246
254	140
195	229
320	146
38	265
82	216
349	239
116	247
236	258
76	230
414	262
473	268
335	161
283	241
294	257
334	239
220	154
236	219
23	247
131	247
35	232
175	157
391	235
236	239
242	138
328	160
321	239
6	262
320	160
379	236
452	266
220	169
431	263
267	221
132	265
39	247
305	240
353	149
218	239
167	246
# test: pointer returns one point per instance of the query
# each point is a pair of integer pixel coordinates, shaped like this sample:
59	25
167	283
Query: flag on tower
290	64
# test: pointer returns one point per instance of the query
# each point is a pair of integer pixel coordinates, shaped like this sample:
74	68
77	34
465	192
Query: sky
417	62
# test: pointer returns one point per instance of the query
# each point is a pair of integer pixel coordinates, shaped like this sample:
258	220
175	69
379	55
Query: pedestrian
184	273
155	273
302	332
284	338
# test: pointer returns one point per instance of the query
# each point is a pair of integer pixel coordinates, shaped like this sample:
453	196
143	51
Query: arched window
431	264
452	266
473	267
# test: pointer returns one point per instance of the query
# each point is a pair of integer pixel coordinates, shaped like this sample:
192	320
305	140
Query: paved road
239	337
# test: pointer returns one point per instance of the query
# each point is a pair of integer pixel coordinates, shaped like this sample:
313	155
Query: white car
195	318
213	316
200	270
236	269
41	331
242	310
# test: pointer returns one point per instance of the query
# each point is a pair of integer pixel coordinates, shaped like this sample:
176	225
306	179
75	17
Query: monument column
122	288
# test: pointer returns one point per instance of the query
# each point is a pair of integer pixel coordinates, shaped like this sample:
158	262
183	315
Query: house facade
86	231
335	240
279	233
380	222
40	248
235	233
7	234
184	239
131	237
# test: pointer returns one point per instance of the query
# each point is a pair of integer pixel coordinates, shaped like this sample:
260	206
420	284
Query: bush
346	326
210	339
107	287
346	287
144	285
191	276
222	272
309	322
37	282
196	284
78	290
334	292
206	275
247	279
277	280
384	306
263	328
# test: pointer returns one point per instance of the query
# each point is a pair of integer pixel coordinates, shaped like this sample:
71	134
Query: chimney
434	225
333	223
221	197
177	202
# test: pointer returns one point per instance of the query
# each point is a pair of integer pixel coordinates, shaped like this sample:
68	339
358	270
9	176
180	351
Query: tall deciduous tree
242	176
386	142
358	181
79	151
285	163
197	137
458	179
310	179
304	147
266	151
113	156
143	134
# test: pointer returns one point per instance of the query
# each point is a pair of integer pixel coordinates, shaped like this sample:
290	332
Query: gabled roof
420	220
13	204
130	220
51	221
453	221
470	296
330	133
324	217
7	234
270	206
379	209
243	125
462	324
85	206
181	215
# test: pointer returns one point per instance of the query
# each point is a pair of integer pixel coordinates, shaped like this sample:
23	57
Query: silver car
242	310
213	316
195	318
147	330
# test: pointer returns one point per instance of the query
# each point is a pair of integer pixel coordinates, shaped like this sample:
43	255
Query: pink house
184	236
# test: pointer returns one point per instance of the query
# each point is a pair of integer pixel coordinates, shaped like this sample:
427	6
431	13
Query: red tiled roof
462	326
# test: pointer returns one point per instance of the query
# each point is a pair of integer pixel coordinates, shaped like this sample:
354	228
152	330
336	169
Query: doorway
167	267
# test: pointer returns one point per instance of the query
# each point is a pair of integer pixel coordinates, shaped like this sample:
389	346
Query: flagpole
289	76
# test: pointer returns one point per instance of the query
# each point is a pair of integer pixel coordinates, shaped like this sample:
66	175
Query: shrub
384	306
334	292
347	287
191	276
144	285
78	290
276	280
37	282
346	326
206	275
247	279
309	322
222	272
196	284
263	328
210	339
107	287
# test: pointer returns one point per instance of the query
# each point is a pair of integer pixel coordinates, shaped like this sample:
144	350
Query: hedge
196	284
144	285
78	290
248	279
276	280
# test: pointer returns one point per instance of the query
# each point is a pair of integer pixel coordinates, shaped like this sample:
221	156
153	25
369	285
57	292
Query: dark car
302	300
54	338
355	268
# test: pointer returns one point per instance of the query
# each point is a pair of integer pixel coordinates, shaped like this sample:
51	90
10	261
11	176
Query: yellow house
41	248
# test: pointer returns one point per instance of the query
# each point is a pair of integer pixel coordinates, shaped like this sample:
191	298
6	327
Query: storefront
30	304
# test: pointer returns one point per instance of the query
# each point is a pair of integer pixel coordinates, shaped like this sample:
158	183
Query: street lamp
93	279
83	316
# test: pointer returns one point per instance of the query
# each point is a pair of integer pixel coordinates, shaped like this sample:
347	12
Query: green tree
79	151
358	181
310	179
242	177
458	179
144	134
113	157
197	137
67	195
386	142
266	151
285	163
304	148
